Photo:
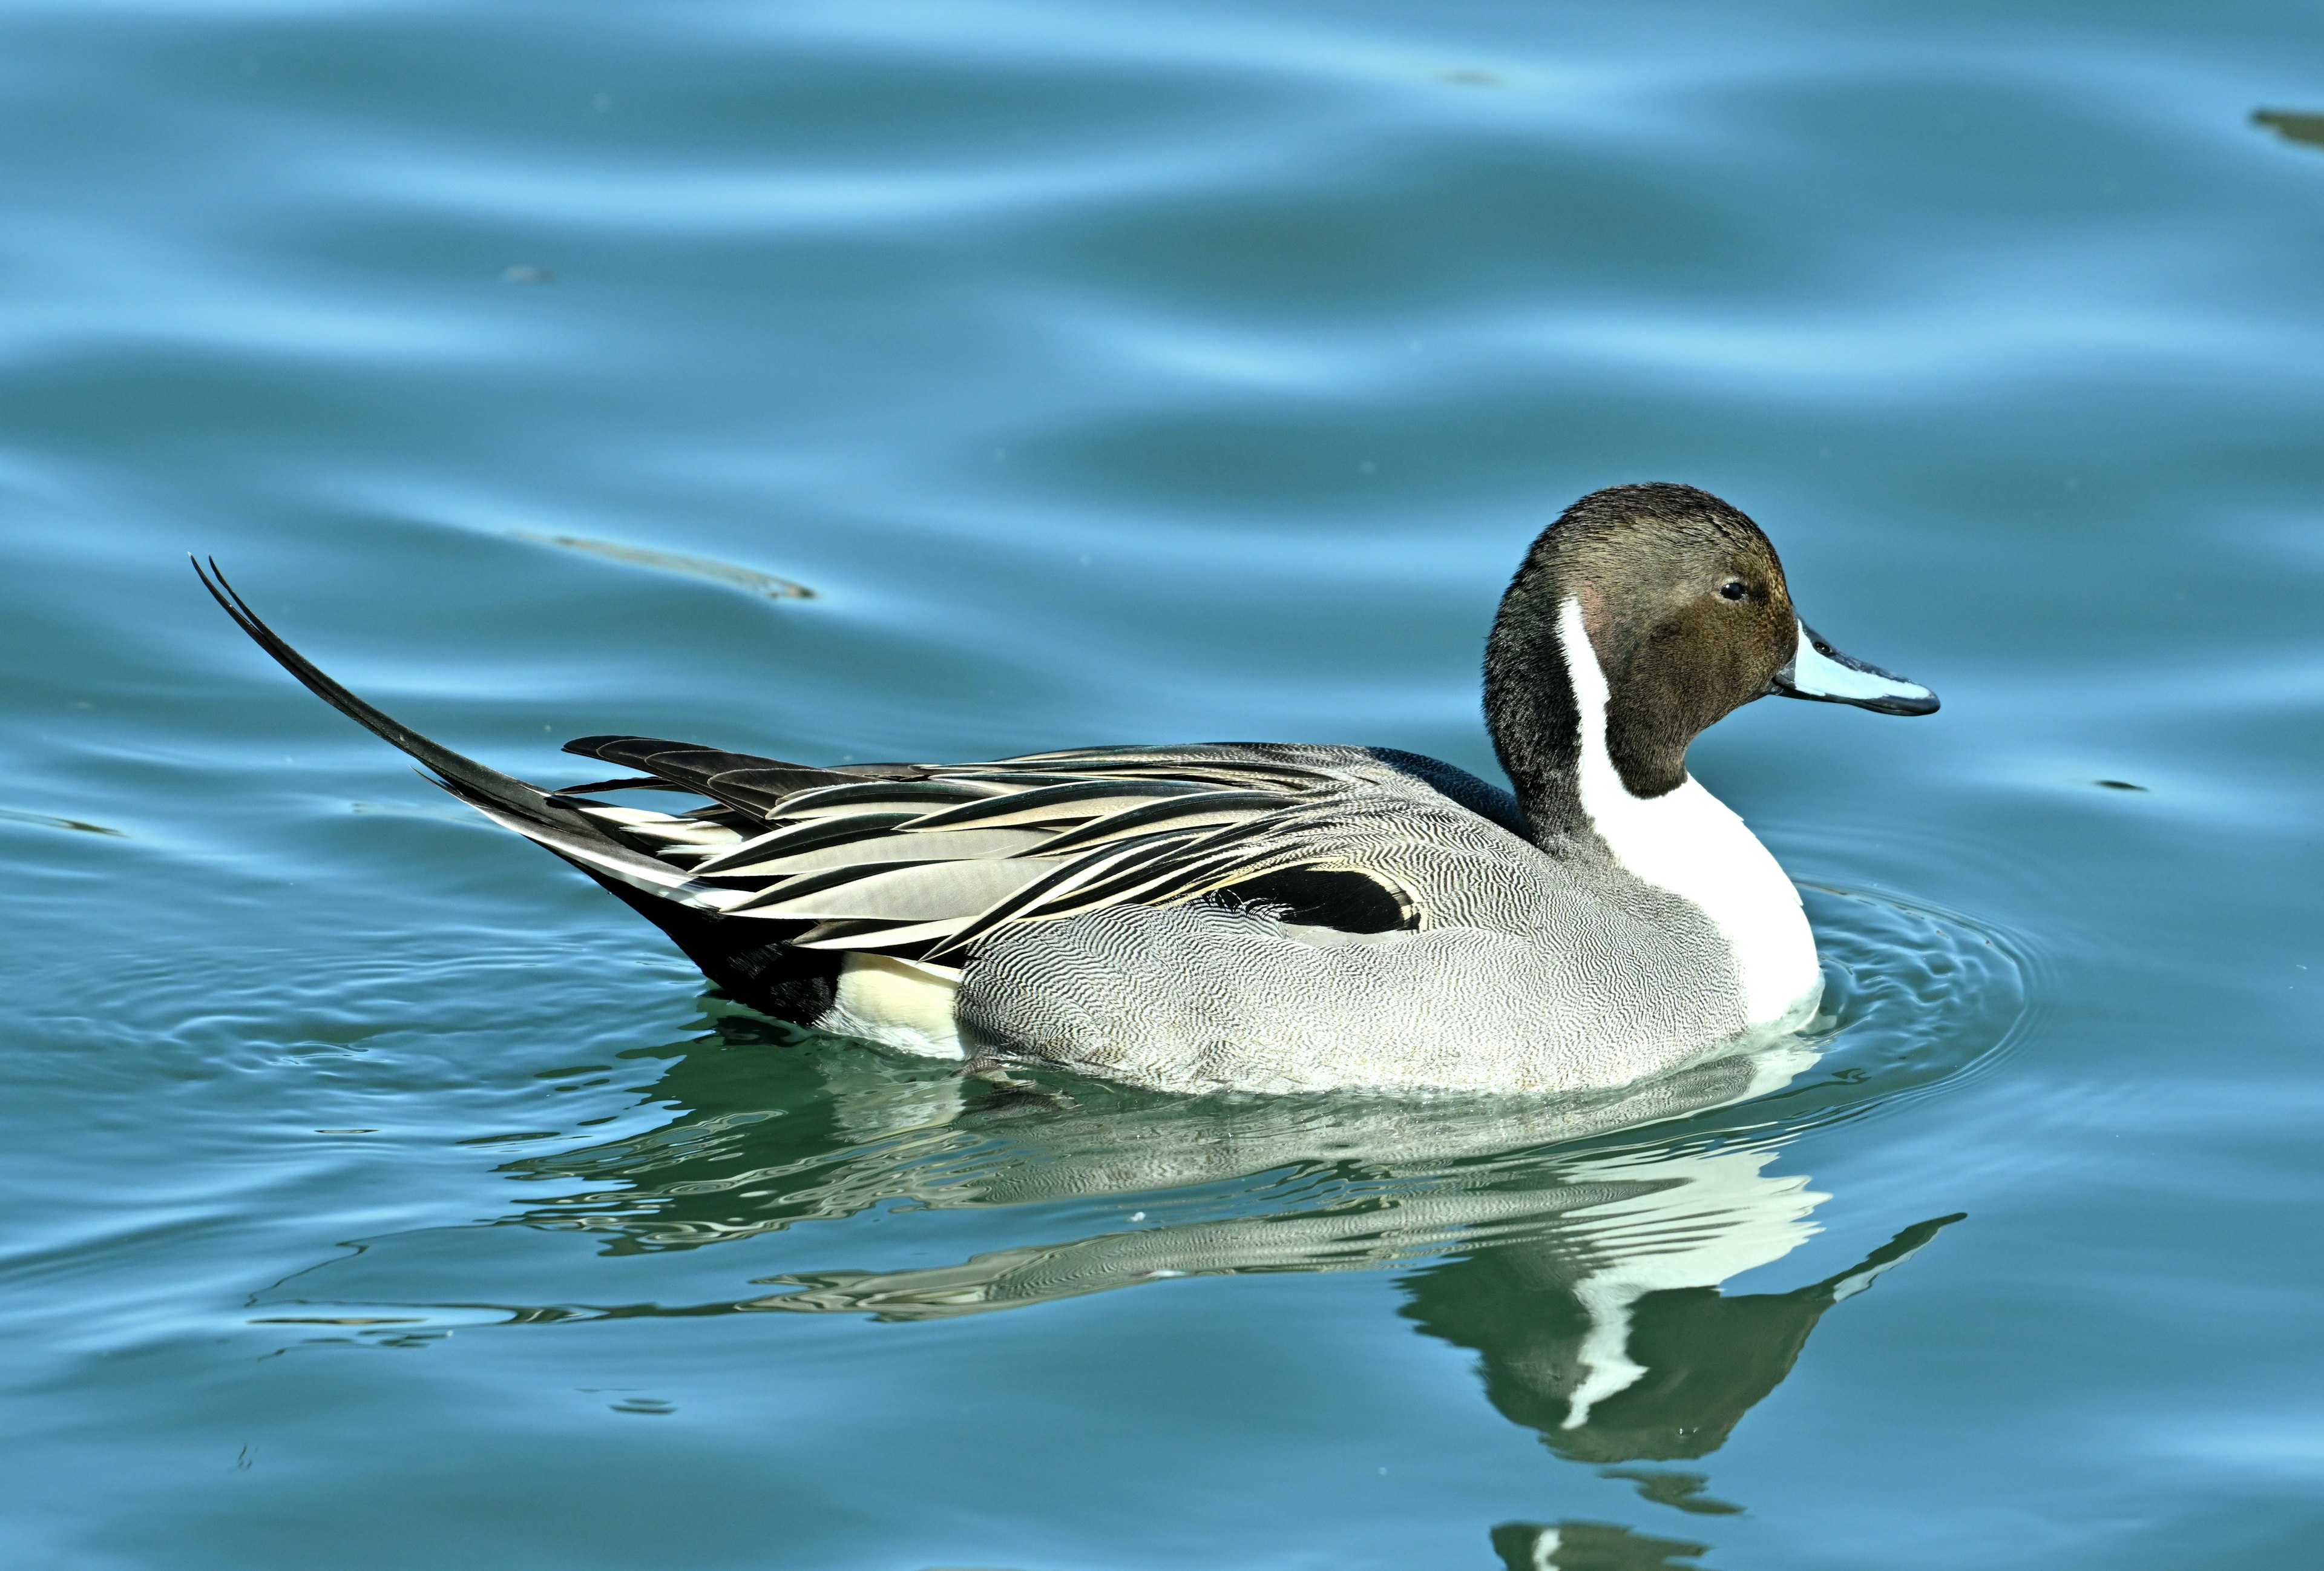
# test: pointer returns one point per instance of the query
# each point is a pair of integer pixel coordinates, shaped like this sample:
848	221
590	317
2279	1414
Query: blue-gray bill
1818	671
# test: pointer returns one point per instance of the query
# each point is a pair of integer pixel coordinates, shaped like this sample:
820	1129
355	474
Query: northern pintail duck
1264	916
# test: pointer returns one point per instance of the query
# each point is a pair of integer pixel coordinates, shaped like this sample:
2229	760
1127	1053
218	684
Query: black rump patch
1315	897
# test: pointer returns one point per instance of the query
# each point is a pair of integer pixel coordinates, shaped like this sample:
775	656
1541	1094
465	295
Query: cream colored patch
898	1004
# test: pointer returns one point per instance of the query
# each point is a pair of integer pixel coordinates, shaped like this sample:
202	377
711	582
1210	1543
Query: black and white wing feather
922	861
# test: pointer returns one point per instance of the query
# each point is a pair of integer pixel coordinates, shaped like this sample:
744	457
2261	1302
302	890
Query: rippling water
889	380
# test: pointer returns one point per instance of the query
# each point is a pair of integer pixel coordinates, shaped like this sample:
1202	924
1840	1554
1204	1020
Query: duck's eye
1733	590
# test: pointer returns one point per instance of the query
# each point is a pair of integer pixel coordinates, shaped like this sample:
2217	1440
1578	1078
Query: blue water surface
382	1194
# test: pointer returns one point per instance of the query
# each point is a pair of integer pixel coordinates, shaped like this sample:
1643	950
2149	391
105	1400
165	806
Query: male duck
1262	916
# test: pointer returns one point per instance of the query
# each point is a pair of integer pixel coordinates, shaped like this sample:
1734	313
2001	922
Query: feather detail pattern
920	862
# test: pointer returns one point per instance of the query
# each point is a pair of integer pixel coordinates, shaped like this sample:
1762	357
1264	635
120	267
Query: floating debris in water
749	579
50	821
1468	77
526	272
2291	124
340	1320
2118	785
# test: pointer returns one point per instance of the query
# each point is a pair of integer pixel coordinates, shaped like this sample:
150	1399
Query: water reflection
1305	1183
1627	1352
1586	1280
2292	125
1589	1547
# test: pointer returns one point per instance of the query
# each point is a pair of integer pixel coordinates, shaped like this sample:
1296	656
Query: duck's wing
921	861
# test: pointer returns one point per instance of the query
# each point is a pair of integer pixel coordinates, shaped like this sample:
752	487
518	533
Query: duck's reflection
1623	1350
1589	1547
1588	1282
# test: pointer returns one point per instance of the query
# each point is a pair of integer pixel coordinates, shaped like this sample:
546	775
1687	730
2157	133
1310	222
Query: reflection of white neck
1689	842
1722	1217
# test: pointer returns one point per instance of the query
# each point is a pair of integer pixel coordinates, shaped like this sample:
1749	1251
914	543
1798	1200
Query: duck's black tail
749	958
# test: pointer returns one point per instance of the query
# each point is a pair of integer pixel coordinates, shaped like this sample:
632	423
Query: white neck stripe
1688	841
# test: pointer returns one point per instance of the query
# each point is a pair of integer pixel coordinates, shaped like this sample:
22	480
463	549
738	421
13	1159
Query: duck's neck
1531	714
1546	701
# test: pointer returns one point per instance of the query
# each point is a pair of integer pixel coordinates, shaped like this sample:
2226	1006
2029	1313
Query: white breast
1689	843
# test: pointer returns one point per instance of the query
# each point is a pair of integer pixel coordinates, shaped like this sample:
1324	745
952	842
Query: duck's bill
1819	671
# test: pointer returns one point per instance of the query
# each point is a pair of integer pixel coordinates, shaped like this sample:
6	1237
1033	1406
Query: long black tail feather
452	766
750	960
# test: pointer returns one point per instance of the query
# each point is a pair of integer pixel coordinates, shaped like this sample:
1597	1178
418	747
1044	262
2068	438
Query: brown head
1688	618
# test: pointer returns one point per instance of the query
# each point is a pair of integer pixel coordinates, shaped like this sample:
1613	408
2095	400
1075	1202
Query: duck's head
1687	617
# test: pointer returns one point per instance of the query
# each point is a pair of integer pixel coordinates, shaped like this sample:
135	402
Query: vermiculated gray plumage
1523	968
